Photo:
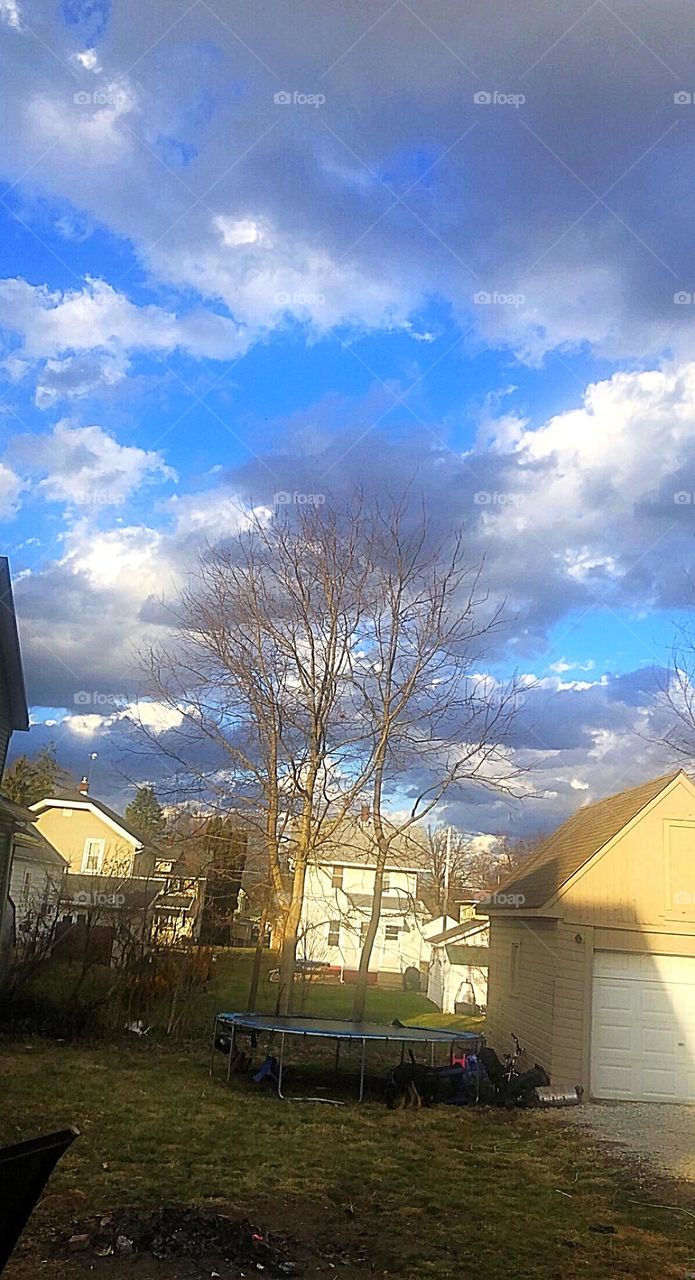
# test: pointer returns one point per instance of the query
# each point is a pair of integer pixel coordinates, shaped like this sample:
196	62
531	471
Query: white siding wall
33	883
326	906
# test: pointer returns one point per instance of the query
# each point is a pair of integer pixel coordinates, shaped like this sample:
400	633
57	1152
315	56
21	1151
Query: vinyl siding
68	836
525	1013
639	896
637	879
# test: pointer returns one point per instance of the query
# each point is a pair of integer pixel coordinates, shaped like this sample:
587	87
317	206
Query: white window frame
86	852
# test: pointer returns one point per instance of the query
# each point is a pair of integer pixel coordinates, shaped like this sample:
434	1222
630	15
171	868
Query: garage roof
567	849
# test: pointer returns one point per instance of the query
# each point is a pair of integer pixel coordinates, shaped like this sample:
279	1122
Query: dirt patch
296	1238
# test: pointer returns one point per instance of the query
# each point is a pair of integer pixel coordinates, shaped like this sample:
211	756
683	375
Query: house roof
457	954
351	843
15	812
78	799
567	849
10	652
127	892
459	932
29	842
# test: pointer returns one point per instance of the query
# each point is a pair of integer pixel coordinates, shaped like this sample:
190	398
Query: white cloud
86	467
10	13
159	717
128	562
212	514
75	377
88	59
51	324
10	490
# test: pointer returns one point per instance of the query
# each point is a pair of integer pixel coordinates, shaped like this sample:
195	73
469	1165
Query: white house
457	978
36	881
338	898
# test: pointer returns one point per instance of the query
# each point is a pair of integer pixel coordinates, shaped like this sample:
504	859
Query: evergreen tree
32	778
146	814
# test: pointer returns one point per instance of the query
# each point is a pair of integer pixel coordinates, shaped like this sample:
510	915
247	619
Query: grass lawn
440	1193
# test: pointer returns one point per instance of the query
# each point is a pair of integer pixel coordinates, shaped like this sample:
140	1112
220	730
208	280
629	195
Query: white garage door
643	1027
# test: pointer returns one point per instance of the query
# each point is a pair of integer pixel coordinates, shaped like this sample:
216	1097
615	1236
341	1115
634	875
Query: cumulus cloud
97	316
11	14
87	467
10	490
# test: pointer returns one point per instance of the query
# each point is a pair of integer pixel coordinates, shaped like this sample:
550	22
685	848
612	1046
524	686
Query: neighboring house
592	948
36	882
94	839
115	875
338	898
437	925
457	978
13	715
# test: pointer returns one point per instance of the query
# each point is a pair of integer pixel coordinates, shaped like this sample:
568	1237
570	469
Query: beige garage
592	947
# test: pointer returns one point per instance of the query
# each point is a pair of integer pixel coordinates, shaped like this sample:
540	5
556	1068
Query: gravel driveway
661	1136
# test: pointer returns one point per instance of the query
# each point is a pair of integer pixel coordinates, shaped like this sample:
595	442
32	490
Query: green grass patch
431	1195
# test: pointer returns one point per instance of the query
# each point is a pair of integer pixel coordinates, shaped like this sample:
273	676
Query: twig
649	1204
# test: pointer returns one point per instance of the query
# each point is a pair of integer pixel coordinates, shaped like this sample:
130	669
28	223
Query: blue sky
369	245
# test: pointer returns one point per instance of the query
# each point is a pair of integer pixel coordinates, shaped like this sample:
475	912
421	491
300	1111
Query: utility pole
447	867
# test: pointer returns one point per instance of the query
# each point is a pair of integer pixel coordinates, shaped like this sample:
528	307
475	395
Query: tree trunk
288	954
257	962
359	1003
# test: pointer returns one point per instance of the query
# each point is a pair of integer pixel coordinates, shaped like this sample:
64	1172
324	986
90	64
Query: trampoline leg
337	1056
364	1045
231	1051
282	1058
432	1055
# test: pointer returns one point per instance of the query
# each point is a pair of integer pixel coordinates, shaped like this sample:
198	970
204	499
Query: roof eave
11	652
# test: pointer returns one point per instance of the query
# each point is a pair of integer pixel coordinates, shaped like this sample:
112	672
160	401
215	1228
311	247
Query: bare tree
436	721
449	854
321	654
676	702
259	674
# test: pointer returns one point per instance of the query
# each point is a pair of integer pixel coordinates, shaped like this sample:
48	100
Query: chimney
83	787
364	812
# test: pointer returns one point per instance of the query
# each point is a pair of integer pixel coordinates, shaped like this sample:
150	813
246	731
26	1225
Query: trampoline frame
361	1033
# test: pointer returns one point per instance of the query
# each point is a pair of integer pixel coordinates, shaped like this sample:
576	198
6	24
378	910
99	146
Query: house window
334	933
337	878
392	932
514	967
93	856
363	932
26	887
386	882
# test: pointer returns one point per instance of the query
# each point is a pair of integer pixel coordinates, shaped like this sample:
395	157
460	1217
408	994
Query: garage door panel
656	1000
610	1038
643	1027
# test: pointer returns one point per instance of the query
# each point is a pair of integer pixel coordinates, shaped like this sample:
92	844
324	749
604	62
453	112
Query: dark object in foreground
25	1169
180	1231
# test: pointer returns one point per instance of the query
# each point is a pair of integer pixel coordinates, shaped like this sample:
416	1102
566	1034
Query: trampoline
340	1031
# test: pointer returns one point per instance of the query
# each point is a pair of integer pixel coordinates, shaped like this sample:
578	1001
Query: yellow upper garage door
643	1027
